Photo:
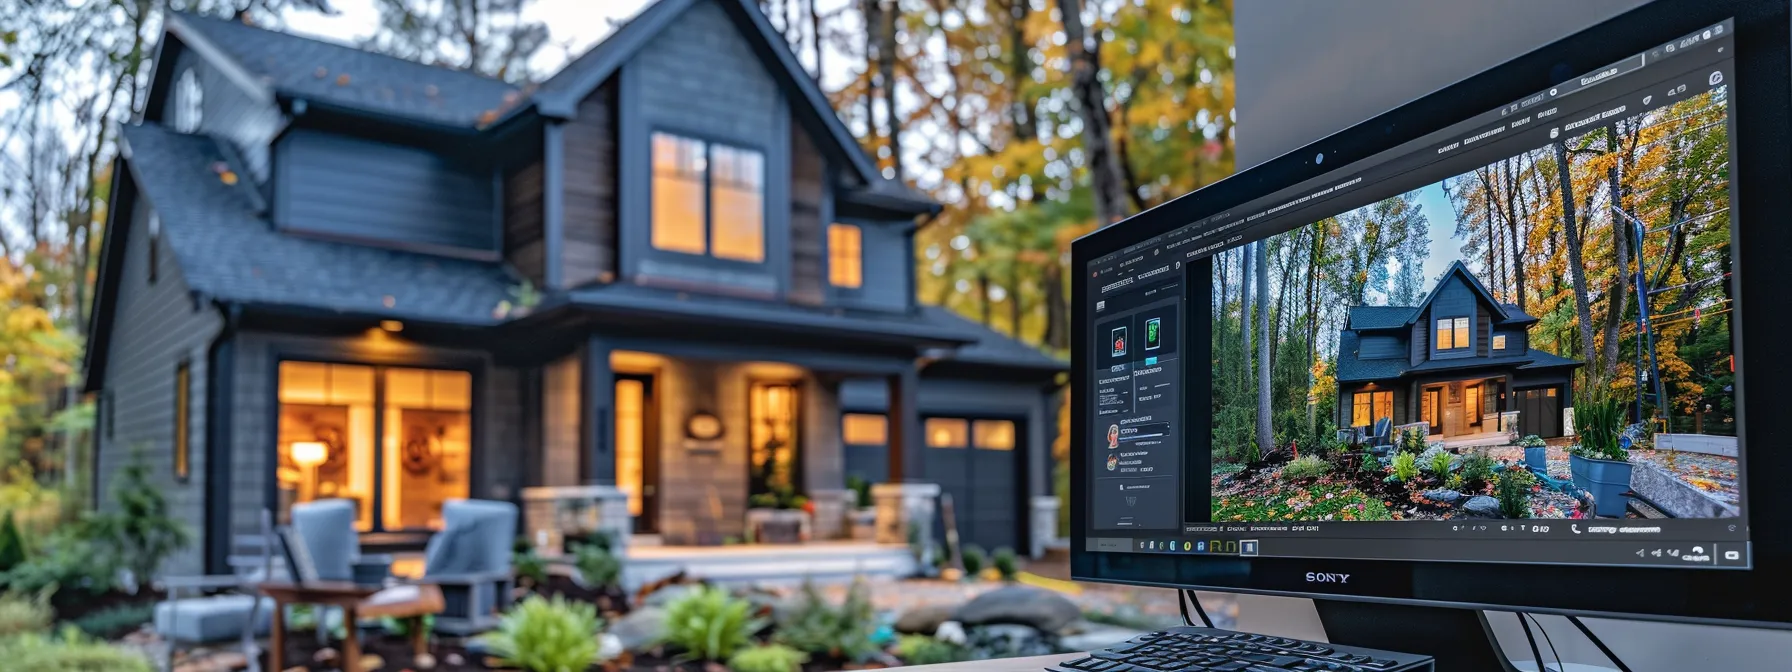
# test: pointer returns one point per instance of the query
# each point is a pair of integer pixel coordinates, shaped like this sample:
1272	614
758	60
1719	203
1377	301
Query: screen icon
1732	555
1113	461
1646	100
1200	547
1717	77
1656	553
1670	48
1113	437
1187	546
1247	547
1118	336
1707	35
1103	305
1673	552
1554	132
1154	333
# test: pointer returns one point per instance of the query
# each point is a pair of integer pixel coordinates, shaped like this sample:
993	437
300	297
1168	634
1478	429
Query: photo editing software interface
1509	341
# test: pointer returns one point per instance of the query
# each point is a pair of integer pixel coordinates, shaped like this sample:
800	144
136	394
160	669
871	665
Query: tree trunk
1577	266
886	63
873	132
1057	313
983	296
1519	217
815	36
1247	259
1618	296
1105	180
1020	65
1266	438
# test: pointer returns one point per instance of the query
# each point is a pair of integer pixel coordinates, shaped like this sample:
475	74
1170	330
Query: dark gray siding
1517	340
700	77
588	248
365	190
888	263
1454	300
155	328
1483	327
524	247
1380	347
497	413
808	220
229	113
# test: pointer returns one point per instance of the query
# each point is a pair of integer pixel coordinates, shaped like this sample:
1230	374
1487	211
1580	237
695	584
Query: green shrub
68	652
861	491
115	621
71	561
139	529
709	624
1308	466
401	627
1406	466
1440	463
1532	441
546	635
818	628
1477	469
972	557
924	650
1454	482
532	568
20	614
597	564
12	546
1598	421
768	658
1006	563
1412	441
1514	493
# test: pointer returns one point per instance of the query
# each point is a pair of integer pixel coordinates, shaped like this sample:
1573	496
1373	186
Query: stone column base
1042	522
550	514
905	509
830	512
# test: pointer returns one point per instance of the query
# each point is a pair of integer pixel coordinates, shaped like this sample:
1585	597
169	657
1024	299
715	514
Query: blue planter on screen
1608	480
1537	459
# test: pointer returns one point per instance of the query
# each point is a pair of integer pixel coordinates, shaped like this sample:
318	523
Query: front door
1434	410
1471	404
638	449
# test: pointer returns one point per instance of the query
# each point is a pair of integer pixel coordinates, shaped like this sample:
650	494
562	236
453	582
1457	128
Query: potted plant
1536	453
780	516
863	518
1599	464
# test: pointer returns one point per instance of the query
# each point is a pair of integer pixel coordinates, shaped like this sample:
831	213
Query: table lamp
308	455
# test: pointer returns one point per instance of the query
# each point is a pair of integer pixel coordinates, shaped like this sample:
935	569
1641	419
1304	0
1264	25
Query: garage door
1540	412
975	461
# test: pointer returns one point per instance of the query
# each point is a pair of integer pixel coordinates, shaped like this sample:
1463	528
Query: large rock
1482	505
668	594
1007	640
1442	495
641	629
924	619
1038	608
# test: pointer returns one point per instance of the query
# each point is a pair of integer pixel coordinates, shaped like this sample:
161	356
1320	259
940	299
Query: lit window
864	429
189	102
708	199
846	256
1452	333
948	433
993	434
183	391
1369	407
1499	342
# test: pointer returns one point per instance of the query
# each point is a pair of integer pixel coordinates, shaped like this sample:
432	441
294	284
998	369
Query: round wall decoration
703	426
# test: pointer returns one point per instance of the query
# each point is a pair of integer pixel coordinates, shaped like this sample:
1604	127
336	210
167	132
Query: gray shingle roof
1379	317
1351	369
1541	359
227	250
345	76
991	347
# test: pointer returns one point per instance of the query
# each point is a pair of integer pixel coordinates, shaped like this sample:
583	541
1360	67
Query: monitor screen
1509	341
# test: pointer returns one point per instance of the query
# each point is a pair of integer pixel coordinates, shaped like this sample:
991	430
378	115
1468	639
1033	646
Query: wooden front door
638	448
1471	404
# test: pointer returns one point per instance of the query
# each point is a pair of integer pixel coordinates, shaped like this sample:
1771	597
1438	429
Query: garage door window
864	429
993	434
948	433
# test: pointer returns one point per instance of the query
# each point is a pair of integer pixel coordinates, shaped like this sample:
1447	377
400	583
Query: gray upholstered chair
327	528
470	561
191	616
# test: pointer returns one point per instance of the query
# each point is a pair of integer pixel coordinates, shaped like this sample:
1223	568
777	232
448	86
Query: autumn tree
490	37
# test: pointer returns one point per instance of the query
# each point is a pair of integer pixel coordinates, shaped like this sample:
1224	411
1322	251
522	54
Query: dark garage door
1540	412
975	461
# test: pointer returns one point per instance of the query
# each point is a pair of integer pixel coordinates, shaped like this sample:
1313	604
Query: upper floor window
1452	333
183	414
708	199
846	256
189	102
1499	341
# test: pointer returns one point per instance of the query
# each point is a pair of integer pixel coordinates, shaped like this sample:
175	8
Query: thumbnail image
1546	336
1113	437
1113	462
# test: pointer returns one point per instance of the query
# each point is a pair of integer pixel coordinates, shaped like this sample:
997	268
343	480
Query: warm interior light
393	326
309	453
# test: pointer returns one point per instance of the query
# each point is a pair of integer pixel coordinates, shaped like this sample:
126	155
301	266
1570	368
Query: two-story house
1456	361
668	268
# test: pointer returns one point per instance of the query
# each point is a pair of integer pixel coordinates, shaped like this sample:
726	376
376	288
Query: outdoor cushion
476	537
211	619
328	528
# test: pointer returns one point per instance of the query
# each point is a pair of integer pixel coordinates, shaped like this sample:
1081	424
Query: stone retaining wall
1697	443
1676	497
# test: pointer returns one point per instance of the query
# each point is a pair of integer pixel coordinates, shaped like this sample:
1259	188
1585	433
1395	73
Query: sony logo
1322	577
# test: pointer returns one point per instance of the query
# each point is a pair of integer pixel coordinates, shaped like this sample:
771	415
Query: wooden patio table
352	598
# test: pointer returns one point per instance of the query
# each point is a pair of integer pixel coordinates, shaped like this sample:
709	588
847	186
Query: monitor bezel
1761	167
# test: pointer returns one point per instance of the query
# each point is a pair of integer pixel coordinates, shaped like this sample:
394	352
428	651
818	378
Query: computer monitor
1486	350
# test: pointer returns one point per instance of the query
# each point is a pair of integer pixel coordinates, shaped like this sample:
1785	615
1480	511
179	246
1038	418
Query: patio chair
205	618
327	529
470	561
1381	439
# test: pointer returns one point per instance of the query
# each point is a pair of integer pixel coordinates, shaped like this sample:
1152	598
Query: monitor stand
1460	639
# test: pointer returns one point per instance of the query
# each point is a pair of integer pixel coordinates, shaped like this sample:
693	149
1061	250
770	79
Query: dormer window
1499	342
708	199
1452	333
188	109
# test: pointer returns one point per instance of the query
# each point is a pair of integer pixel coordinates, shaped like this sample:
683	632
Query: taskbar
1637	552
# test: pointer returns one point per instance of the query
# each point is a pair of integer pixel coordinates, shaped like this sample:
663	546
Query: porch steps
821	562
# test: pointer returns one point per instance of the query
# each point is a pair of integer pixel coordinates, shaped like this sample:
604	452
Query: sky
1441	218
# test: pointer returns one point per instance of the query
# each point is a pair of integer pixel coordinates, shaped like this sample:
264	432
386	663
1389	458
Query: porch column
905	505
598	383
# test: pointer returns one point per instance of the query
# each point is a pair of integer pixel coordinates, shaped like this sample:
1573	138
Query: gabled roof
228	251
1457	269
990	346
327	73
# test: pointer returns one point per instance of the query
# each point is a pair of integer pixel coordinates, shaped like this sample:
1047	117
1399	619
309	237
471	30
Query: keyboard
1205	649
